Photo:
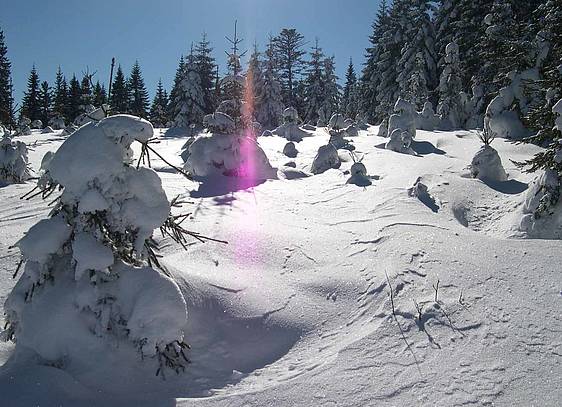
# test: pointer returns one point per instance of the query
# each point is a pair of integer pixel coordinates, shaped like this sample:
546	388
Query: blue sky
80	34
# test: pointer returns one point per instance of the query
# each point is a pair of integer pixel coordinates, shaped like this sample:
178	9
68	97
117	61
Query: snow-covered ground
295	309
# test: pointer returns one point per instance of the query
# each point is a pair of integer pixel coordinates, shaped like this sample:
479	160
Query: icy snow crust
295	310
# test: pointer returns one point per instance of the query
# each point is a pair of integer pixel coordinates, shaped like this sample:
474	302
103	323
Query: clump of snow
487	165
337	122
47	130
57	123
227	152
290	150
383	129
290	129
400	141
359	175
326	158
337	131
91	115
68	130
13	161
309	127
427	119
361	122
94	249
24	128
403	119
36	124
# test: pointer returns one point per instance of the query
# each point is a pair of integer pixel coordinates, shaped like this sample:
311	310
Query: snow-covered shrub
91	115
427	119
487	164
13	161
23	127
450	107
36	124
337	131
47	130
290	128
358	172
404	118
68	130
361	122
87	280
400	141
326	158
226	151
383	129
501	119
309	127
57	123
290	150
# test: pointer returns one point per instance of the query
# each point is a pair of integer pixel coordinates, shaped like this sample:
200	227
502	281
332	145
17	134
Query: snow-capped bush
290	150
358	172
427	119
361	122
487	164
13	161
91	115
226	151
57	123
450	107
383	129
337	131
23	127
404	118
36	124
400	141
326	158
68	130
290	128
47	130
87	272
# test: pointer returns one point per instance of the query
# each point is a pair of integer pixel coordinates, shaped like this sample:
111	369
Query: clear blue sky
79	34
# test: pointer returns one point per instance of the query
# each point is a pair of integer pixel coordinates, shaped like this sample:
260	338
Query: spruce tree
205	64
45	102
189	102
87	92
289	54
120	95
254	84
450	87
314	93
60	94
330	90
176	88
74	105
269	106
6	98
31	107
100	94
159	109
349	96
139	102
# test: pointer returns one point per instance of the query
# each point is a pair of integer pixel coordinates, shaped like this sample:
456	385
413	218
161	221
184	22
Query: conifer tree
205	64
330	90
450	87
270	106
139	102
60	94
176	88
45	102
314	93
350	92
6	98
289	54
31	107
74	105
87	92
100	94
120	95
254	84
189	101
159	109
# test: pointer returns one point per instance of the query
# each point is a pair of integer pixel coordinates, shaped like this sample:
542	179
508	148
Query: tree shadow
510	187
219	186
426	148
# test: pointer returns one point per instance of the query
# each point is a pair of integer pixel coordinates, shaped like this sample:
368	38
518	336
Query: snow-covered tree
13	161
87	280
176	87
6	98
139	102
206	69
74	105
45	102
120	94
349	100
450	106
289	55
159	109
330	90
269	107
189	101
87	91
60	94
31	107
314	94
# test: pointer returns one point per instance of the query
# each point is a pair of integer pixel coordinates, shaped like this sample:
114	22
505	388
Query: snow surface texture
13	161
295	310
76	298
487	165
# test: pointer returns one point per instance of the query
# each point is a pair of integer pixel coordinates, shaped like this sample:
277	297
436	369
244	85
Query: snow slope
295	310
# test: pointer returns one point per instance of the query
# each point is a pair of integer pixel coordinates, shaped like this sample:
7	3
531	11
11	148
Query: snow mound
219	122
326	158
290	150
57	123
403	119
359	175
91	115
13	161
400	141
36	124
487	165
47	130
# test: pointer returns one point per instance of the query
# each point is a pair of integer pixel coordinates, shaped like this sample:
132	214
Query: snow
295	310
44	239
403	118
90	254
400	141
326	158
13	160
487	165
